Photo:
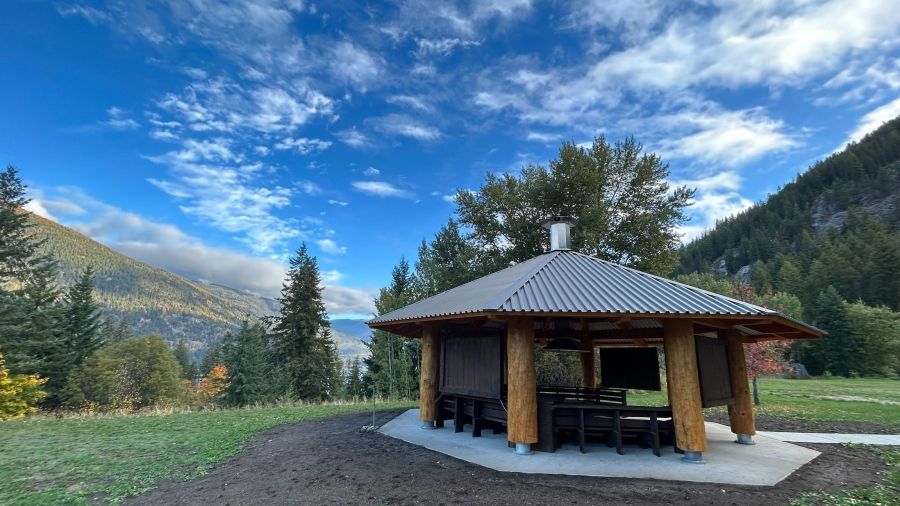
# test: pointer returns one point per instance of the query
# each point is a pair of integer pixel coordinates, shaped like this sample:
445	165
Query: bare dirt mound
331	462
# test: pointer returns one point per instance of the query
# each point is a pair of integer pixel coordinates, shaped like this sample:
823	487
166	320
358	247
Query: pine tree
392	364
29	298
836	352
354	387
246	358
302	339
183	355
81	318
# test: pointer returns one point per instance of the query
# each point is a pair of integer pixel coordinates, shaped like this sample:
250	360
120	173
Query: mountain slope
155	301
836	224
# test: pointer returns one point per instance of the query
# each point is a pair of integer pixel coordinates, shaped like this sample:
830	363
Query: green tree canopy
302	340
626	210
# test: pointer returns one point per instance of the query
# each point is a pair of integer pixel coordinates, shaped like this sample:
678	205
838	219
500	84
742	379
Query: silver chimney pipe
560	232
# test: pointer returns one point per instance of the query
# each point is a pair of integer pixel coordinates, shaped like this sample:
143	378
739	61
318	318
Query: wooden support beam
684	385
588	372
522	386
429	381
740	414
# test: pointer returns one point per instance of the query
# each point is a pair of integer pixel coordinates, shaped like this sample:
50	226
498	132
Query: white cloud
371	172
353	138
712	136
302	145
217	185
37	207
717	197
546	138
309	187
337	203
94	16
406	126
354	64
168	247
381	189
874	119
330	247
441	47
410	101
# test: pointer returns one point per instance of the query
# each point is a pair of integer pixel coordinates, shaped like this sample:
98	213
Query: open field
838	399
77	460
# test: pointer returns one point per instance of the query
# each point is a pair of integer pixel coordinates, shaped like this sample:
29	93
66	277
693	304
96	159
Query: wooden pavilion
479	341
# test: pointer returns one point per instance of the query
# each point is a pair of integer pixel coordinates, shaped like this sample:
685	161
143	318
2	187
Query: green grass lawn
71	460
857	399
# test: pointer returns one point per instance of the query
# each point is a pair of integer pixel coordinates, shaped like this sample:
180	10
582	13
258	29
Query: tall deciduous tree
626	210
302	335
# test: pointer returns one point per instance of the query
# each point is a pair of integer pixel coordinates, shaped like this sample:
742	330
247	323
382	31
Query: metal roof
565	281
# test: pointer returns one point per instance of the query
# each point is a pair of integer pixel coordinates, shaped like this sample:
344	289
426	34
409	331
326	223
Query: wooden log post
522	387
429	381
740	414
588	372
684	388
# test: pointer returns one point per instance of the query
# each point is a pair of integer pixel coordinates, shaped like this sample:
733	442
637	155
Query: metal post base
744	439
523	449
693	457
428	424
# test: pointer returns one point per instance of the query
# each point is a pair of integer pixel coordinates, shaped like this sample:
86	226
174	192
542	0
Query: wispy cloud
405	126
302	145
381	189
353	138
717	197
330	247
875	118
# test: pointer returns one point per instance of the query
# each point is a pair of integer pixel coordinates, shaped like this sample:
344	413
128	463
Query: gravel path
331	462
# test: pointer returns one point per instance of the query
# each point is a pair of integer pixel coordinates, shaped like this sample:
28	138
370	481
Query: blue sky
210	138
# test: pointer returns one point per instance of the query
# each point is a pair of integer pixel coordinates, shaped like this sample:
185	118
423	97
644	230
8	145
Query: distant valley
154	301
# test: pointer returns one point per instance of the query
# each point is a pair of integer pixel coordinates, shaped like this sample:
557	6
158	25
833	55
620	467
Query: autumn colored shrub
19	393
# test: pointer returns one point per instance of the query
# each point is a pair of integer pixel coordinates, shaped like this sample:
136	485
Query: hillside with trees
834	225
154	301
830	238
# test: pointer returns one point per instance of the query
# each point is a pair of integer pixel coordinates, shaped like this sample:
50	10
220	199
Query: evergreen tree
836	351
30	316
302	339
354	387
392	364
212	357
447	262
245	355
81	319
183	356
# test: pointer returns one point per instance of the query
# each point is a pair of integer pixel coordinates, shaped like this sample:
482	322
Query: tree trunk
755	393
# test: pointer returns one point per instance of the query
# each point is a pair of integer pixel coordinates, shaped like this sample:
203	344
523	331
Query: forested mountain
836	224
154	301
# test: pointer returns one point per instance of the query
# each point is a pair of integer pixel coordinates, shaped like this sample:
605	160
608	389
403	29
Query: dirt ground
778	423
331	462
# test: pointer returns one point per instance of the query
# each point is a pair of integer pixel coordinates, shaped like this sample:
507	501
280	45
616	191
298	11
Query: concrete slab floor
766	463
821	437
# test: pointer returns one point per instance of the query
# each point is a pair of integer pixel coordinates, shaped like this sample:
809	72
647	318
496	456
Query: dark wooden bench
480	412
602	395
650	425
